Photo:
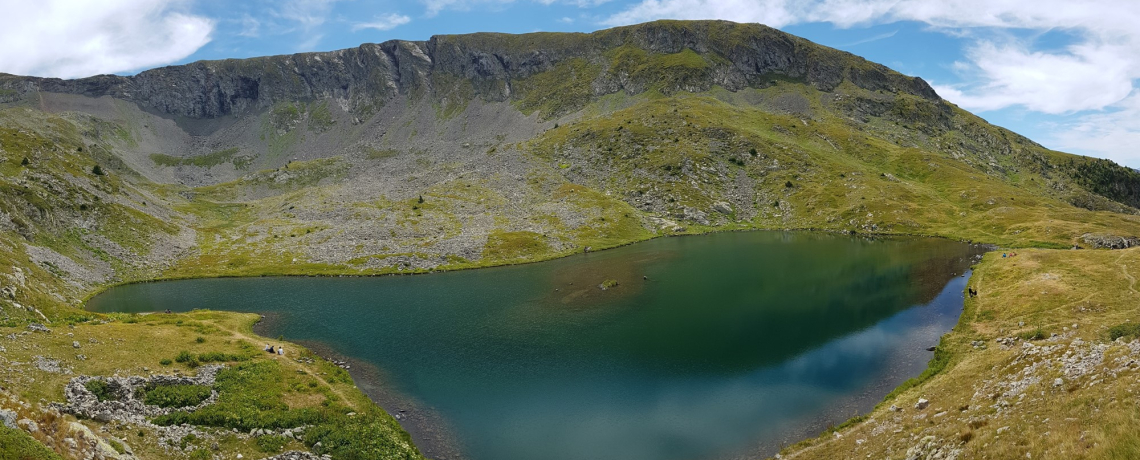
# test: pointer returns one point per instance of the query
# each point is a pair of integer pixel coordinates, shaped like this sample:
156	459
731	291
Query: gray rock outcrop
1106	241
361	78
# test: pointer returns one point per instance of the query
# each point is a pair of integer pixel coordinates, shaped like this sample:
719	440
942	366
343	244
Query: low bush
249	396
15	444
187	358
174	395
1126	330
1036	334
271	444
100	388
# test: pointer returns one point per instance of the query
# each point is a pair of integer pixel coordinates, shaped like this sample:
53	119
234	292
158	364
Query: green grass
17	445
1125	330
561	90
100	389
514	245
250	395
175	396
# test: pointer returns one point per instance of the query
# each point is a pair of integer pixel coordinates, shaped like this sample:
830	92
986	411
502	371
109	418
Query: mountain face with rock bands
484	149
359	80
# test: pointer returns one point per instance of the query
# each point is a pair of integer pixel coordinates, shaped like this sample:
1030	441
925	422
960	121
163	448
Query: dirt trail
1124	270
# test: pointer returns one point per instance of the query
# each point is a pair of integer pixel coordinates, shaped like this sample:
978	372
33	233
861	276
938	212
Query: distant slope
473	150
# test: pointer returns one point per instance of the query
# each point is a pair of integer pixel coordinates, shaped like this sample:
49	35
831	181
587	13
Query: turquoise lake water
709	347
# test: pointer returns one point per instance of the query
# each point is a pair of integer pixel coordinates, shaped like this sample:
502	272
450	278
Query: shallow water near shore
718	346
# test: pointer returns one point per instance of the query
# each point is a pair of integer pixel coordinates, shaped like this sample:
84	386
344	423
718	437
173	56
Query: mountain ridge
224	87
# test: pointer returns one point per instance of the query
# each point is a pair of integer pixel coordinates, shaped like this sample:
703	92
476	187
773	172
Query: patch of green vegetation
563	89
187	358
285	116
453	93
101	389
664	73
502	245
271	444
174	396
17	445
254	395
362	437
320	118
1106	178
250	395
1125	330
1035	334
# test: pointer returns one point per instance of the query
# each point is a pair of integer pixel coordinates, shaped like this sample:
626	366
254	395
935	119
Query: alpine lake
720	346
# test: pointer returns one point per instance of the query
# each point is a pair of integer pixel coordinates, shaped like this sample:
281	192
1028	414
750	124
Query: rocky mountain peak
731	55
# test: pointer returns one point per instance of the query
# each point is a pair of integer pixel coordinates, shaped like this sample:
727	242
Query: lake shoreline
542	258
425	428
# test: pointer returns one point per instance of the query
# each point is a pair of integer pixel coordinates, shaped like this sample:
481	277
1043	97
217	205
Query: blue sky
1062	72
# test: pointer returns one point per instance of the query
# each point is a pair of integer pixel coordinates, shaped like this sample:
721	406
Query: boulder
37	327
8	418
921	404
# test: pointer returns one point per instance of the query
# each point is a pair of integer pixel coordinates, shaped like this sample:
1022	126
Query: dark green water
736	344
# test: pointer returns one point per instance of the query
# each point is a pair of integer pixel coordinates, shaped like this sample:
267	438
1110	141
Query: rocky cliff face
737	56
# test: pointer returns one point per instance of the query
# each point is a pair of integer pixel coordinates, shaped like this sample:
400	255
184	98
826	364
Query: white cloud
387	22
250	27
309	14
1087	77
69	39
1094	73
1113	134
434	7
875	38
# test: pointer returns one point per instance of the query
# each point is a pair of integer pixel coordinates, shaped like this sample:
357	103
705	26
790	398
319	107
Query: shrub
365	436
1126	330
200	339
788	184
249	396
97	170
1037	334
175	395
118	446
101	389
166	362
25	162
219	357
187	358
19	445
271	444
